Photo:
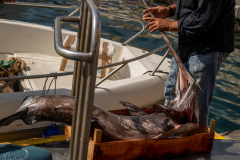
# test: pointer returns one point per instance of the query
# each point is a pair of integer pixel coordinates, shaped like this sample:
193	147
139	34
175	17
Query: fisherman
206	38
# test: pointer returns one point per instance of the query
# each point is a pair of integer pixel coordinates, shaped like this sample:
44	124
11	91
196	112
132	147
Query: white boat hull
35	44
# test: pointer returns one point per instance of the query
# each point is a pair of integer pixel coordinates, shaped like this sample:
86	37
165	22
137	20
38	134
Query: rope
9	68
44	91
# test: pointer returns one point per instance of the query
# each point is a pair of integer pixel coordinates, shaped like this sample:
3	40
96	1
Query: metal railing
85	69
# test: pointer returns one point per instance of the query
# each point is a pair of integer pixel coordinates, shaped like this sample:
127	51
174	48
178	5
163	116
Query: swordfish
178	118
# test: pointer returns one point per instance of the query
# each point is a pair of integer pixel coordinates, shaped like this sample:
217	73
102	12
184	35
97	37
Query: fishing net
8	68
6	64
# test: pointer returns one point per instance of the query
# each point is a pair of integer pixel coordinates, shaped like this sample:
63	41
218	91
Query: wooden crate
200	141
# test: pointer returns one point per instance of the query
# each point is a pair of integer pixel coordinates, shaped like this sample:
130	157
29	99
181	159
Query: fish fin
30	120
196	112
179	130
8	120
133	110
158	137
168	134
159	108
26	101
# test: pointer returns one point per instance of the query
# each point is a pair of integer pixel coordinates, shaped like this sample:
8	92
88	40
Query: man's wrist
173	26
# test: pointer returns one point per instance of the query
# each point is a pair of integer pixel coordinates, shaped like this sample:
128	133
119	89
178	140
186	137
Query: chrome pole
85	71
80	88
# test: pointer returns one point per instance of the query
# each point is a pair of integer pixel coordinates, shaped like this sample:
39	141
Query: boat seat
106	51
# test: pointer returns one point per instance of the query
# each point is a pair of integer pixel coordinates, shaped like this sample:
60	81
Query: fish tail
8	120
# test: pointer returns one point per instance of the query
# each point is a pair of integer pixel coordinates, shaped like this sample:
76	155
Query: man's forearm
173	26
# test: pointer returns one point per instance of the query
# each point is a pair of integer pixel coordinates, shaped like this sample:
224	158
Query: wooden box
200	141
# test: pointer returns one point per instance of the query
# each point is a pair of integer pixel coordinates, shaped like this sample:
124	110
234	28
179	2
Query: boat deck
38	64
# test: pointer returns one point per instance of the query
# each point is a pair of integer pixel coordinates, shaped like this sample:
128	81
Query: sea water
225	106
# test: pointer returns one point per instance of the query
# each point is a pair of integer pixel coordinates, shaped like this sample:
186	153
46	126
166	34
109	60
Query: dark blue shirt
205	26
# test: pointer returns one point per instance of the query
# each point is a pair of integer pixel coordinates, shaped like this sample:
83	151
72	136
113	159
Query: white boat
35	45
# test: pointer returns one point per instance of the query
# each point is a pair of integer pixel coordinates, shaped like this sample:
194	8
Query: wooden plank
201	141
152	149
67	131
63	64
67	45
97	137
212	126
91	150
104	60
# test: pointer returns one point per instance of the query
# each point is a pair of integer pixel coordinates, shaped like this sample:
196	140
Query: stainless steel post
85	71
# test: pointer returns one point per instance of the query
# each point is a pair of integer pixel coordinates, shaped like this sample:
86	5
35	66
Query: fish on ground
139	125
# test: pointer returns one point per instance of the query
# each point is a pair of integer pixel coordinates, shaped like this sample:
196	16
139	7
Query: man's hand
160	24
158	12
